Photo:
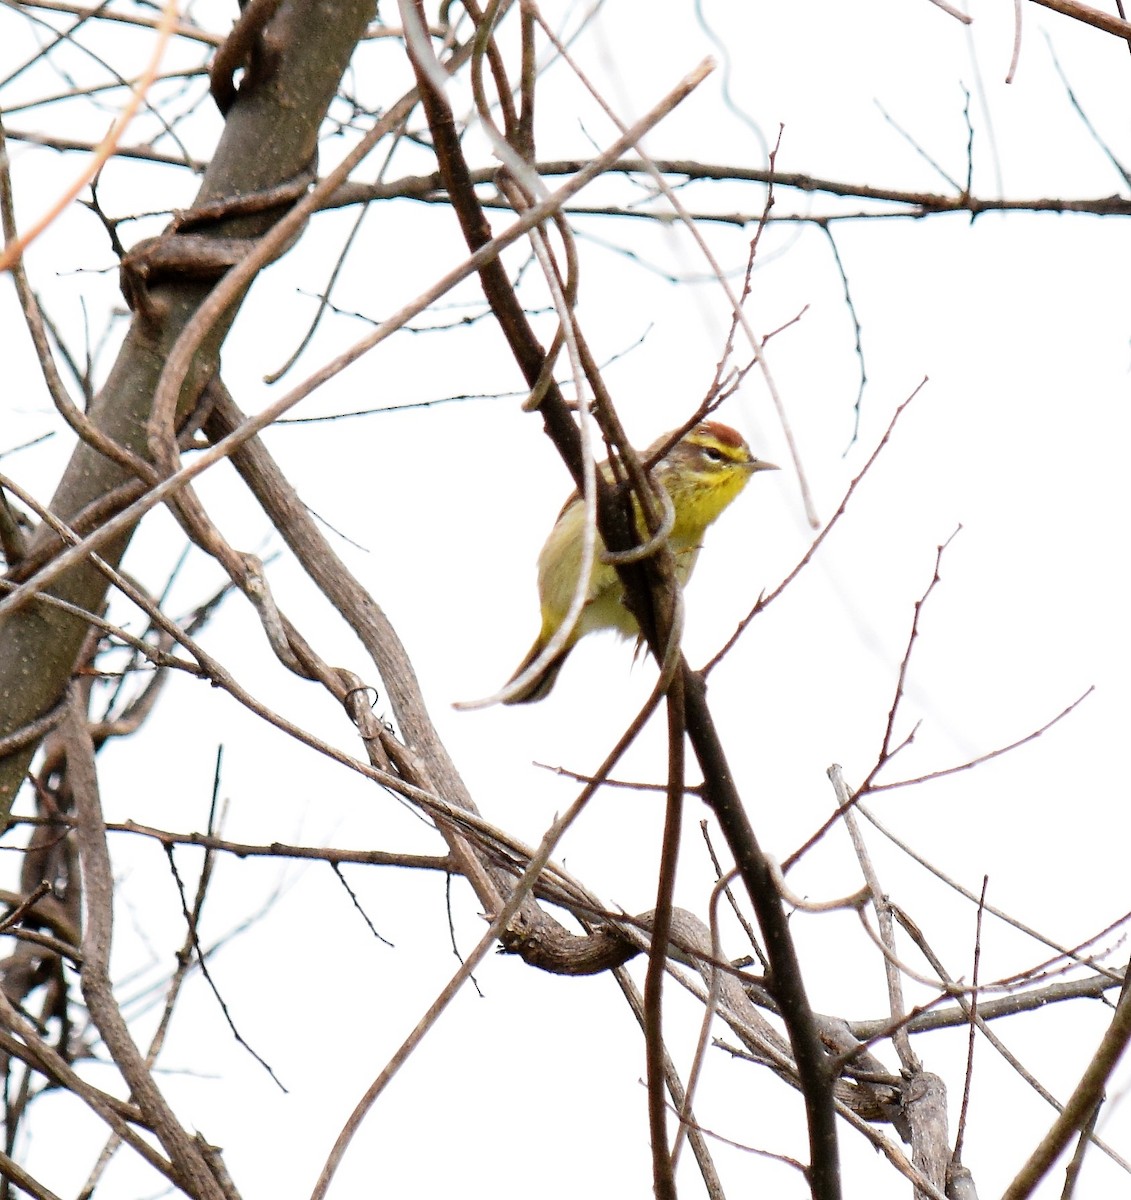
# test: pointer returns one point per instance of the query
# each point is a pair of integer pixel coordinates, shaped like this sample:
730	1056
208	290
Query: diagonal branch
193	1172
269	137
643	582
1081	1104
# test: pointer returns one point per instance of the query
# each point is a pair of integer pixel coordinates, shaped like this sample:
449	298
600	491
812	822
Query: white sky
1019	437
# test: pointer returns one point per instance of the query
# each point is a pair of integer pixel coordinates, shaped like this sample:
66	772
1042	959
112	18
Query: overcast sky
1014	449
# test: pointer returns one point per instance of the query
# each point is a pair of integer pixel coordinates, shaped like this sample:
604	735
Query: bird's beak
758	464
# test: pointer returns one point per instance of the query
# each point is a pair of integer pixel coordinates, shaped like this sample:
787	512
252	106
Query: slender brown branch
495	931
993	1039
766	600
1088	15
11	1170
959	1137
913	203
954	885
883	909
680	1098
663	1175
182	29
1080	1105
192	1170
719	790
1087	1135
888	747
990	754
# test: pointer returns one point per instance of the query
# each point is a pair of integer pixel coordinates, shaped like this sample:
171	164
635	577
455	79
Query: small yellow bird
702	473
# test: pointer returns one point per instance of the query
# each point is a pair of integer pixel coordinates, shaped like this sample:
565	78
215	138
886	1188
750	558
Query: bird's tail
541	684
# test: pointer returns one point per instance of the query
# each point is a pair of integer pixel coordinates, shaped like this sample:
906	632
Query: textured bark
924	1105
270	136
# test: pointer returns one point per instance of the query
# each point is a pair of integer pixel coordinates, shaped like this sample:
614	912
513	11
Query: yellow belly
559	567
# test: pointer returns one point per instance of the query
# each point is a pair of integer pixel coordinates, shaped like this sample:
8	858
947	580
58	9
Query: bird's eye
713	453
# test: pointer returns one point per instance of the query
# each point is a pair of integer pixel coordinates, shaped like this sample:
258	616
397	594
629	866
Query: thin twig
959	1137
990	754
15	248
765	600
98	890
663	1161
882	905
499	923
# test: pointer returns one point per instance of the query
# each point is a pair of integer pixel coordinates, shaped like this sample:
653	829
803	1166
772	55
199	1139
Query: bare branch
1089	16
1081	1105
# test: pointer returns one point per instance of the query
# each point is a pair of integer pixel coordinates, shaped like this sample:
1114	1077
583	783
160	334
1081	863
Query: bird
702	473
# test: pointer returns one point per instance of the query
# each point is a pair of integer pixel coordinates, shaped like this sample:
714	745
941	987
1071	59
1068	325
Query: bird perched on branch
702	473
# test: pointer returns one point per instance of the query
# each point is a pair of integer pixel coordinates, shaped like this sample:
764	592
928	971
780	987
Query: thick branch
269	138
